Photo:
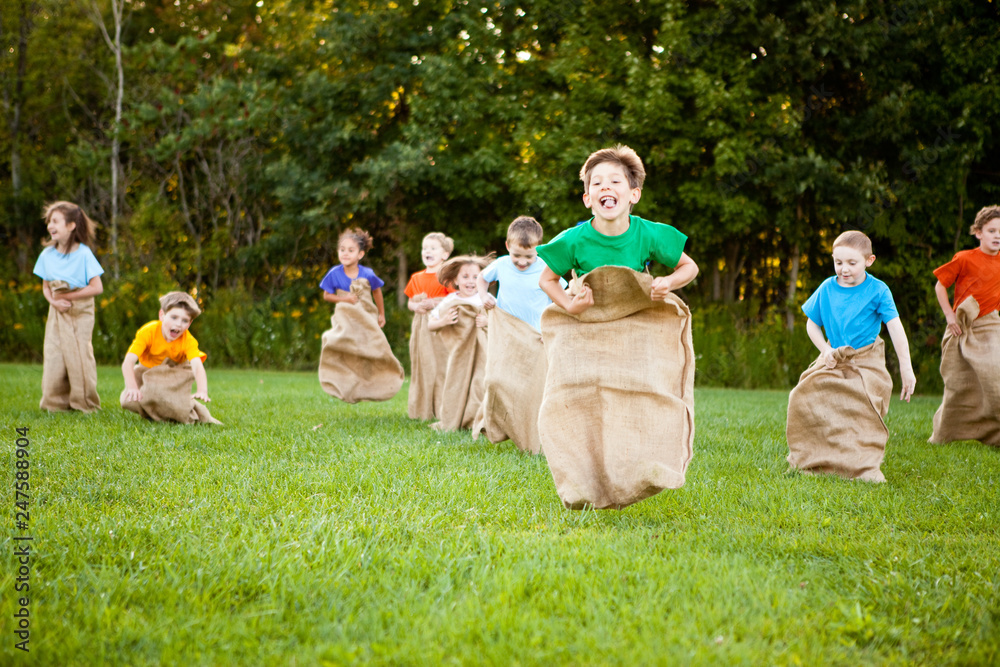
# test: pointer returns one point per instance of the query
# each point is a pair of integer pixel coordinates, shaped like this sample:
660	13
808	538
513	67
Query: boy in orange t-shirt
970	350
166	338
435	248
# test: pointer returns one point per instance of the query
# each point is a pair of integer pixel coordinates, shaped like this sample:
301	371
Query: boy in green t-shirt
612	180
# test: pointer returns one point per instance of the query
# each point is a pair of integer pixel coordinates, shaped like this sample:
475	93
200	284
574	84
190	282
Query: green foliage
306	531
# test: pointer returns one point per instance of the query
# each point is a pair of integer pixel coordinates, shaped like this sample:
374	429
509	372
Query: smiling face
609	194
465	282
348	252
60	231
432	253
989	237
522	256
850	265
174	323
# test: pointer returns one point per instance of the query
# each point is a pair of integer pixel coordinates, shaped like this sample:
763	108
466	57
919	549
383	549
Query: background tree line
223	145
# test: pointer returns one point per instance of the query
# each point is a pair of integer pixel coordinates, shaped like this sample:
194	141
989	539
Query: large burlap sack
514	383
356	362
836	415
69	373
465	370
617	416
166	395
428	362
970	367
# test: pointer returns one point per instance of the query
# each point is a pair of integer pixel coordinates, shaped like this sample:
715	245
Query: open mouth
608	202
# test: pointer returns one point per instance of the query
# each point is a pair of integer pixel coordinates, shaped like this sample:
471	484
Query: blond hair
172	300
621	155
525	232
448	273
857	240
85	230
444	240
985	215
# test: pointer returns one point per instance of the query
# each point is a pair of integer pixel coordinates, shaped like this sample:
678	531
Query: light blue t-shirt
336	279
851	315
76	268
519	293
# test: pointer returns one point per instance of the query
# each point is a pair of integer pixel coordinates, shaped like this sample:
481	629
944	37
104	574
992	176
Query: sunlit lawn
306	531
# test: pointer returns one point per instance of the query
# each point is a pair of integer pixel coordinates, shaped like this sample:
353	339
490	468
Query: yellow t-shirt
152	348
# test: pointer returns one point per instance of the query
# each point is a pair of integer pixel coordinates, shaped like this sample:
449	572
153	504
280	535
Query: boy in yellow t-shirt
166	338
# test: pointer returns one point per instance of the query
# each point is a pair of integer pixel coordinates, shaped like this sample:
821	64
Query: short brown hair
85	230
359	236
985	215
857	240
624	157
183	300
443	239
448	273
524	231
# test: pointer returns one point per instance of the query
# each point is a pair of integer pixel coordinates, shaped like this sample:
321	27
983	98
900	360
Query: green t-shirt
583	248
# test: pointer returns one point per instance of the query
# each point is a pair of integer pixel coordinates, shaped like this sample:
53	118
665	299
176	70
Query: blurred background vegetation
243	136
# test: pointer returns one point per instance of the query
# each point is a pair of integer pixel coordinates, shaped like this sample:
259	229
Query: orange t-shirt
976	274
422	282
152	348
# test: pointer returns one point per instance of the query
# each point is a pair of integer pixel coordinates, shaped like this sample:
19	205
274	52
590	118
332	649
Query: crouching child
161	364
836	412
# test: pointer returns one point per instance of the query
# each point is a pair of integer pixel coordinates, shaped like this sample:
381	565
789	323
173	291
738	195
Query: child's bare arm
685	271
93	288
949	315
132	392
380	304
61	304
902	345
549	283
424	305
350	297
484	293
200	380
446	320
819	340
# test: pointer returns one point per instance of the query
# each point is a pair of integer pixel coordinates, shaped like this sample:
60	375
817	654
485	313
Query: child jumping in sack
71	278
515	358
161	364
970	349
458	322
355	361
616	421
836	412
427	356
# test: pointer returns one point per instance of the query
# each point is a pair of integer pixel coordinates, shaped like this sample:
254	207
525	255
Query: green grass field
309	532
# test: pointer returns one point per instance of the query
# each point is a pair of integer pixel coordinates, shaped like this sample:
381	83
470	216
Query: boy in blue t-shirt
851	307
518	274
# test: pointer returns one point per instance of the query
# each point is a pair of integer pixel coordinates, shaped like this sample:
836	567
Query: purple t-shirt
336	279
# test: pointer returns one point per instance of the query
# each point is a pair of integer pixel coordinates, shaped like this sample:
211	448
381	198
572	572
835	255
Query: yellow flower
296	314
18	326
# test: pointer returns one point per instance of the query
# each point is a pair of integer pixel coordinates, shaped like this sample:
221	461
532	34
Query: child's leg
55	379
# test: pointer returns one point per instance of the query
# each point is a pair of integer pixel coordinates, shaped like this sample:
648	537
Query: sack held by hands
836	415
617	416
465	369
356	362
970	367
428	362
166	395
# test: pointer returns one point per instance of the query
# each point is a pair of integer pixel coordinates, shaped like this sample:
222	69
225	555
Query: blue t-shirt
76	268
336	279
851	315
519	293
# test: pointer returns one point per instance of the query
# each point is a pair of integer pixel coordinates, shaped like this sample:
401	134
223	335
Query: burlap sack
835	415
970	367
166	395
465	370
514	383
428	362
617	416
69	373
356	362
